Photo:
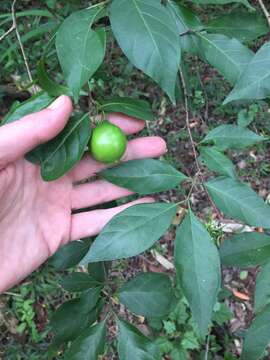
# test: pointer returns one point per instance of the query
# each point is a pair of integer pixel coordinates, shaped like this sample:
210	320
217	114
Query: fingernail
57	103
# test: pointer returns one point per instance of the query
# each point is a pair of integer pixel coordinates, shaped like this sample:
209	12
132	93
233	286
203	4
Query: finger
146	147
95	193
90	223
19	137
128	124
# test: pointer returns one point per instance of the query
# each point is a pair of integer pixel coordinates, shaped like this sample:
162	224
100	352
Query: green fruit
108	142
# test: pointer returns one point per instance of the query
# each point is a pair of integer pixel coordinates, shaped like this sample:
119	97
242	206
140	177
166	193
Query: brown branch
10	30
13	26
265	11
193	143
207	347
187	120
13	12
187	32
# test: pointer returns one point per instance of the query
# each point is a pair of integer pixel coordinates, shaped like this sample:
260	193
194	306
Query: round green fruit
108	142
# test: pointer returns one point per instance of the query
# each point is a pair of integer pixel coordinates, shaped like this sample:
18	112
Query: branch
265	11
13	26
13	12
207	347
187	120
193	143
10	30
186	32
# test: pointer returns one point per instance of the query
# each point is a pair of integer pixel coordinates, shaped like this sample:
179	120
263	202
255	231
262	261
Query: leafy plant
157	37
26	313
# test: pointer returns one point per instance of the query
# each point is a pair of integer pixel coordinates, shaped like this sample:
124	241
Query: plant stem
10	30
199	174
187	32
265	11
13	13
187	120
207	347
11	294
13	26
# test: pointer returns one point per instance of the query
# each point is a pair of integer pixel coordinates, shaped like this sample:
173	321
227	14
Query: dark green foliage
70	48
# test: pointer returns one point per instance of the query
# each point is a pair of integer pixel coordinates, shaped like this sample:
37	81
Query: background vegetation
25	310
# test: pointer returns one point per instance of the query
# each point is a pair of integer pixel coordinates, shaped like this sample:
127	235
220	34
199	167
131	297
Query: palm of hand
35	218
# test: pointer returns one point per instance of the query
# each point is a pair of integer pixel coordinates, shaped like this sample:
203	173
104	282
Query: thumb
19	137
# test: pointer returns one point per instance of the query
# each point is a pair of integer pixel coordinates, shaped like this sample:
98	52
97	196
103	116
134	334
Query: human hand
36	216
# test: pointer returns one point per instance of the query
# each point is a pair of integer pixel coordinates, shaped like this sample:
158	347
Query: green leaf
70	255
47	84
232	137
222	314
180	313
98	271
262	290
254	83
245	117
137	108
216	161
78	281
33	12
89	345
151	42
89	299
144	176
257	337
148	294
131	232
190	341
179	354
239	201
80	49
35	103
133	345
69	321
198	269
228	56
186	21
58	156
239	24
245	250
223	2
169	327
164	345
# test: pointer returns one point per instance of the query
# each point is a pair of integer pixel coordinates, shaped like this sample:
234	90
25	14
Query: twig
9	31
110	297
13	26
187	32
13	12
12	294
265	11
207	347
193	143
187	120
